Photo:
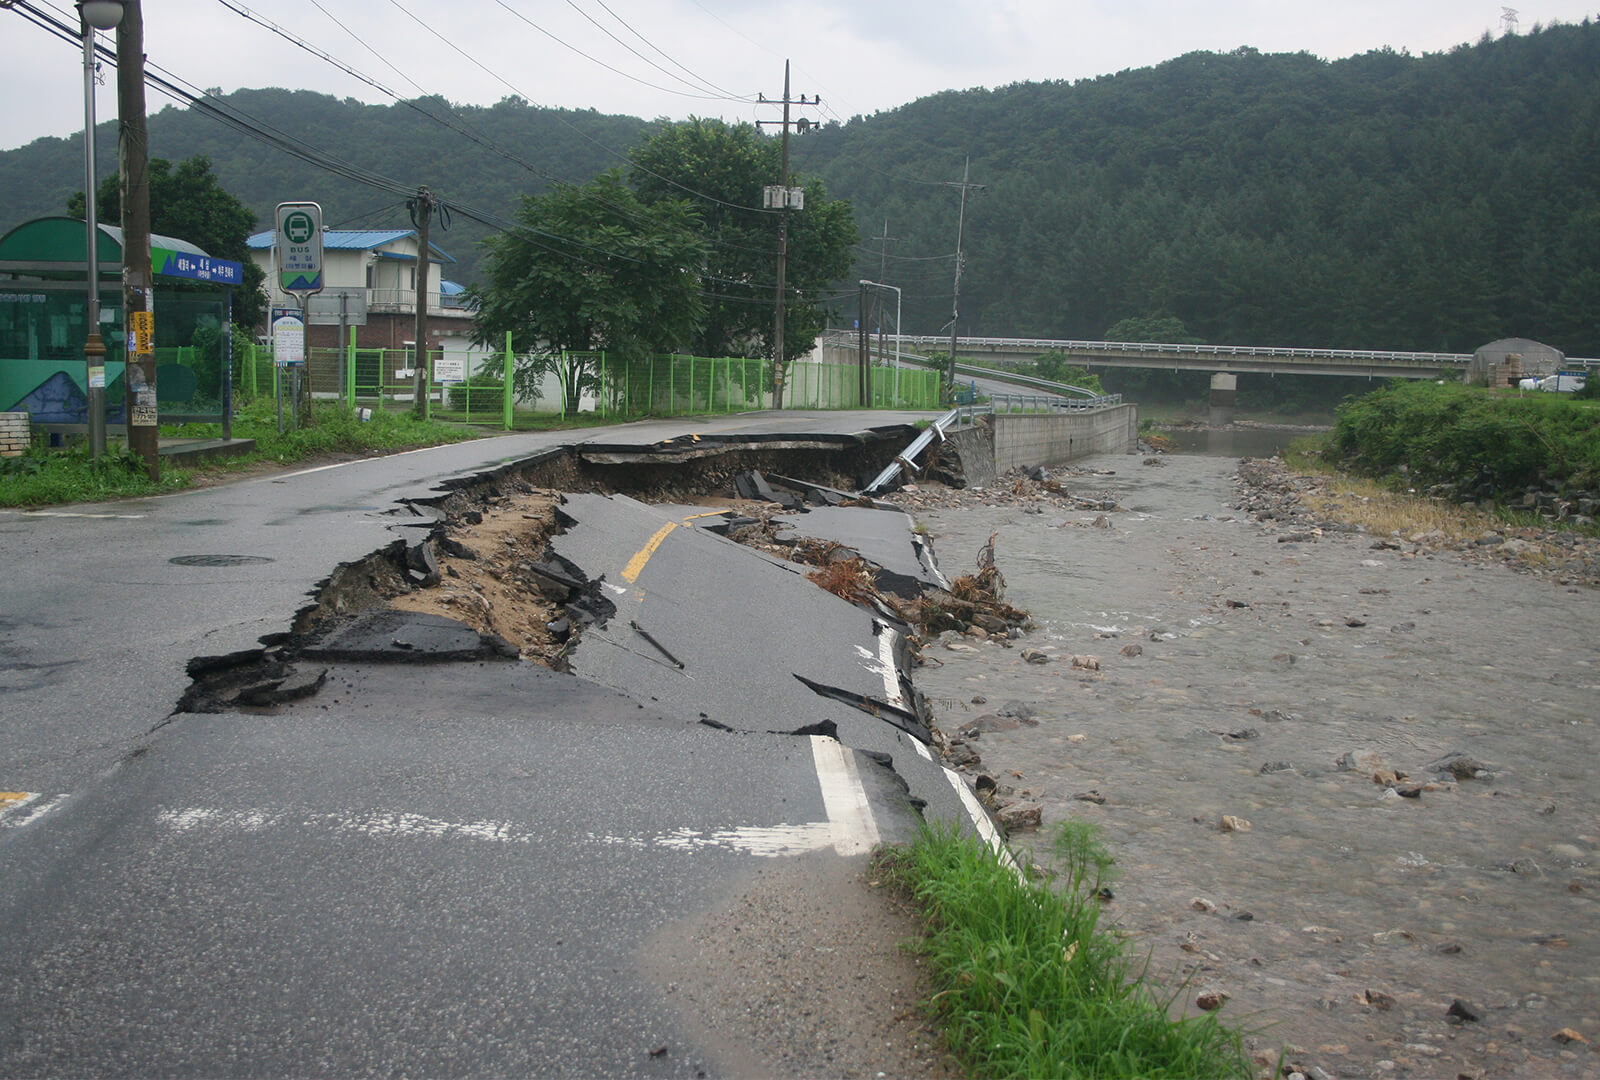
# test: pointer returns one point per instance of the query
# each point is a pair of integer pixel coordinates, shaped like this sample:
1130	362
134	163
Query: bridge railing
1044	345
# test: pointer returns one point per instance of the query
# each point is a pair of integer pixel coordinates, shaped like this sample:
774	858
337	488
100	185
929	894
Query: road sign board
299	244
335	307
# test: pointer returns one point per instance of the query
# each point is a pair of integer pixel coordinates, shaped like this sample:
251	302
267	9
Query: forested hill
1387	200
1428	203
480	158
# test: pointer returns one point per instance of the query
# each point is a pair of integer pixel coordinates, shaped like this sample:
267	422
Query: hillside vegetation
1429	202
1472	442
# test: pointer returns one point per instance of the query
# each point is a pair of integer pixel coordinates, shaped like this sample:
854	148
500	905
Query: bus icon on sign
299	227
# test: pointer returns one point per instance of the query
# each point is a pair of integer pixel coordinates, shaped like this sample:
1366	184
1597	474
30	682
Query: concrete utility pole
955	301
422	208
138	295
783	199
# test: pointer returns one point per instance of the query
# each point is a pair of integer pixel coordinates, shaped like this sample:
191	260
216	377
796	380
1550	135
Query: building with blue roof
370	284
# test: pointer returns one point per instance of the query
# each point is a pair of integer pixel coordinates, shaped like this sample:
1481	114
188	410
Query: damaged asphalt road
396	848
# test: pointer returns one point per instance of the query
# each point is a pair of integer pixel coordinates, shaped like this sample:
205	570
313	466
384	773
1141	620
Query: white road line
342	464
28	809
72	514
981	822
854	829
767	841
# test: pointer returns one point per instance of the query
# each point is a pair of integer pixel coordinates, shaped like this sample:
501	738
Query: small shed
1504	362
43	324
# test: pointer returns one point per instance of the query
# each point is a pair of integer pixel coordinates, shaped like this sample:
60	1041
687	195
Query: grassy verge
44	477
1026	982
1388	507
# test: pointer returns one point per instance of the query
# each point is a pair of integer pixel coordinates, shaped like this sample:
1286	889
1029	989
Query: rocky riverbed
1348	777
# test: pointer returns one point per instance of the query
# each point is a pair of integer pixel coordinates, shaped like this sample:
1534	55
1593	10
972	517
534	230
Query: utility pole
783	199
955	301
138	295
422	208
883	240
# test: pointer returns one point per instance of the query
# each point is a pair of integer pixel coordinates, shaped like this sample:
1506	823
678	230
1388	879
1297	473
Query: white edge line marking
981	822
74	514
887	639
854	829
342	464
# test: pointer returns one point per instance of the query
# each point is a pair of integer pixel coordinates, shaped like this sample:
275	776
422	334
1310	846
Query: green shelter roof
55	244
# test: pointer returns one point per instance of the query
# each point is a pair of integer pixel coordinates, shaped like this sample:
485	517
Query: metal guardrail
906	459
1032	403
1044	345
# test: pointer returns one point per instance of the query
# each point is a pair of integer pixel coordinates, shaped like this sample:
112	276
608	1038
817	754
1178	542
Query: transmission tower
1508	21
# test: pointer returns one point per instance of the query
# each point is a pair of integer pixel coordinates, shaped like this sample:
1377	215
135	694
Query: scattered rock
1568	1035
1087	663
1234	824
1463	1012
1091	796
1211	1000
1459	766
1200	903
1276	766
1133	650
1020	816
1035	656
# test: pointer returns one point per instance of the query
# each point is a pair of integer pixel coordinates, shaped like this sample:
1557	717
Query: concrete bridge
1231	359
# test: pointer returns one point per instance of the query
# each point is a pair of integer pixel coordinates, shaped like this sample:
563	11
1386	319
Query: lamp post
896	290
96	15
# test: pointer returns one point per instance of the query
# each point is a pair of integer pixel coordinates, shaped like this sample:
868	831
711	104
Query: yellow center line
635	567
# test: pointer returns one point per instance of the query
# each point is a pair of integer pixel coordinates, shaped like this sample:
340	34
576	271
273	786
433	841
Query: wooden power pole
422	208
138	297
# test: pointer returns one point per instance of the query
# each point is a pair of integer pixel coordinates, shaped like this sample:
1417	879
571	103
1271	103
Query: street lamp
96	15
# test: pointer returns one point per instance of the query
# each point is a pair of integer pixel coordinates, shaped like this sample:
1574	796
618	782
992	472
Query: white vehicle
1563	383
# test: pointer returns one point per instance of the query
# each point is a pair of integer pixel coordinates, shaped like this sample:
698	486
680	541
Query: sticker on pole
299	244
142	326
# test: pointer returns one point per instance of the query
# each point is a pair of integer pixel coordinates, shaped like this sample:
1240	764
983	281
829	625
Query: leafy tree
187	203
1058	367
591	268
723	168
1156	329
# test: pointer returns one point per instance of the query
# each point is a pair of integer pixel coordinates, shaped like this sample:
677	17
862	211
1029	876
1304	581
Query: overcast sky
676	58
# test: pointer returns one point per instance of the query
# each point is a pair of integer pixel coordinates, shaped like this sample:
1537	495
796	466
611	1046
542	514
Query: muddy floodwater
1354	789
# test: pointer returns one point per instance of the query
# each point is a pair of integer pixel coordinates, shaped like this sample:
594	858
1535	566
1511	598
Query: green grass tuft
1027	984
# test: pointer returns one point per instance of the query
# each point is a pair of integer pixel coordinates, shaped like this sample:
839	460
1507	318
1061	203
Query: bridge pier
1224	388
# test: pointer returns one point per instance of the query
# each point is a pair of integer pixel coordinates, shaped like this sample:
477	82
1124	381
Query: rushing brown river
1354	789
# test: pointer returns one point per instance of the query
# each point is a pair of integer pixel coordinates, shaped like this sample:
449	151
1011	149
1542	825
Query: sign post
299	247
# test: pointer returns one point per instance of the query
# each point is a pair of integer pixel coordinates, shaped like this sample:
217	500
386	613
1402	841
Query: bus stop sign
299	247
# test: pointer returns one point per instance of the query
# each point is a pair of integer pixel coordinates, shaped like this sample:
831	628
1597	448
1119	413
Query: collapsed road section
741	600
432	823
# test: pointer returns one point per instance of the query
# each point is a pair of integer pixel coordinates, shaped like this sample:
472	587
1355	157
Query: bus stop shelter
43	327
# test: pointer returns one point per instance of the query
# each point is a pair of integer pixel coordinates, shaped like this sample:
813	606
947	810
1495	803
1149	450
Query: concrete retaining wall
1055	439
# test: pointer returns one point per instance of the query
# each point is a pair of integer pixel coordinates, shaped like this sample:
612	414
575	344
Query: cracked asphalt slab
419	855
710	629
